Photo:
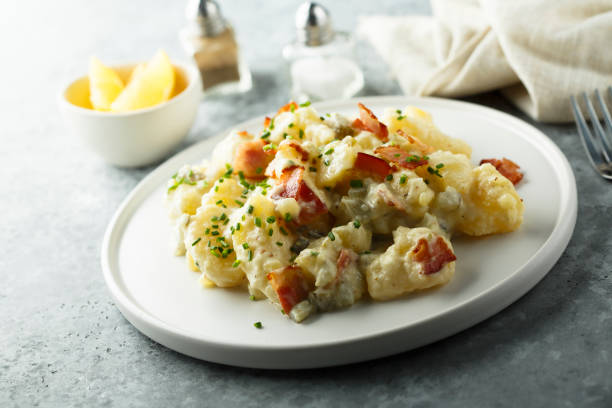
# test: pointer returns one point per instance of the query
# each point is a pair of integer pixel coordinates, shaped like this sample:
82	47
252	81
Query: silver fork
597	143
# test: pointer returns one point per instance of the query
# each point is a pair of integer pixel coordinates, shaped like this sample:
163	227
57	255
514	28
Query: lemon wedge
104	85
148	86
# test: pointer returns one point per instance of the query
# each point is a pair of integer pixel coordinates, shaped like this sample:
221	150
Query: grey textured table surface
64	343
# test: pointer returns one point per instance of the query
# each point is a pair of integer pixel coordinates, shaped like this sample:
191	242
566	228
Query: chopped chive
312	169
283	231
214	233
270	232
245	245
403	179
331	236
240	203
356	183
400	117
439	166
236	263
366	252
269	146
258	221
314	253
207	231
280	244
305	104
265	135
258	170
329	151
397	155
356	224
250	210
219	202
271	219
215	226
326	162
250	255
301	134
434	171
214	252
399	112
216	188
287	217
389	177
322	118
290	125
258	325
271	127
238	227
252	297
194	243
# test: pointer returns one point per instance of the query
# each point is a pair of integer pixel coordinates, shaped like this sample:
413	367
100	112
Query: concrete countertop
64	343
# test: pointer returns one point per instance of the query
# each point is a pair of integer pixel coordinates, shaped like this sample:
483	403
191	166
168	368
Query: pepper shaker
321	62
209	39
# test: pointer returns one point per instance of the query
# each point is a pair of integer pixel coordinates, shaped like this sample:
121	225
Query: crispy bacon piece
345	258
418	145
433	258
251	159
243	133
369	122
372	166
400	157
294	186
287	107
300	150
507	168
267	122
290	285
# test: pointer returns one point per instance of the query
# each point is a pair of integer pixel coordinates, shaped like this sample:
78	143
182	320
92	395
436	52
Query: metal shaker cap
206	17
313	24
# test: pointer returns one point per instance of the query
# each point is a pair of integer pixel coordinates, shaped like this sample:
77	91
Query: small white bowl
135	138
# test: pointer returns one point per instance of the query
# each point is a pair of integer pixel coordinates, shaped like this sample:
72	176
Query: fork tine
599	132
585	135
607	119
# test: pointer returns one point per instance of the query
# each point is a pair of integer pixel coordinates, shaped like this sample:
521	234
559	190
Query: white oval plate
159	295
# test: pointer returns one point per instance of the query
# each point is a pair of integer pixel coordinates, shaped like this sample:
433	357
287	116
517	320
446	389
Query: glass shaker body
218	59
328	71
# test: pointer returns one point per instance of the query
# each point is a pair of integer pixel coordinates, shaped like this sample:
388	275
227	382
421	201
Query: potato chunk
492	204
415	122
418	259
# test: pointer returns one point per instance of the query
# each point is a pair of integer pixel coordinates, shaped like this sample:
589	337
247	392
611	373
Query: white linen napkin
538	52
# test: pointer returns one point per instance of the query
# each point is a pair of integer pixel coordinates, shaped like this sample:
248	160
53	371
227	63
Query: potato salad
319	210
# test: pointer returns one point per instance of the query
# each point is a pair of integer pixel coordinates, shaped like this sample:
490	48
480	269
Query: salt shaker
210	40
321	62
